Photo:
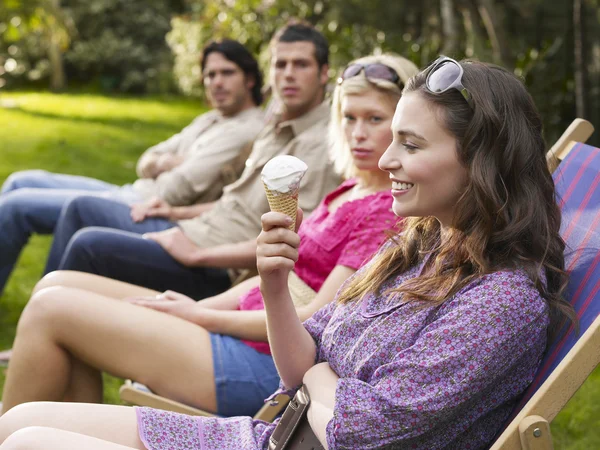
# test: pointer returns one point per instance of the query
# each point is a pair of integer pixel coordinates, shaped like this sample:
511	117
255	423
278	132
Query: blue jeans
244	377
97	235
31	202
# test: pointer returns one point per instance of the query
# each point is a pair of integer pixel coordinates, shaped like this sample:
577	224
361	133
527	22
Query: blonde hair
339	146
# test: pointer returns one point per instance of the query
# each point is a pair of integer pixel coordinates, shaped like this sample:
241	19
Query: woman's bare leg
61	325
85	383
89	282
93	283
33	438
114	424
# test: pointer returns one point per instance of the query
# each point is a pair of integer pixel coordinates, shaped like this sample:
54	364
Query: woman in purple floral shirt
428	346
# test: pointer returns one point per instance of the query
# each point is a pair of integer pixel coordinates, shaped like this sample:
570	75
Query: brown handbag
293	432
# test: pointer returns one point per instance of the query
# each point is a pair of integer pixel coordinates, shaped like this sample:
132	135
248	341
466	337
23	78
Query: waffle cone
284	203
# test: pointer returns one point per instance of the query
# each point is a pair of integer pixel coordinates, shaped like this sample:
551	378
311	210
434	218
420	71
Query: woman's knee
64	278
21	417
49	280
30	438
23	439
44	308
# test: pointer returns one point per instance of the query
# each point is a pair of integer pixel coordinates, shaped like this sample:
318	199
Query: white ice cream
283	174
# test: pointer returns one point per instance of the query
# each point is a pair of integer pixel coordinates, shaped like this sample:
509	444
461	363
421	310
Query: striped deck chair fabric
577	181
578	184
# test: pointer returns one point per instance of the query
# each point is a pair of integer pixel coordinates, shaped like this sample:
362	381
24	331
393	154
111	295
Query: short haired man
179	171
192	256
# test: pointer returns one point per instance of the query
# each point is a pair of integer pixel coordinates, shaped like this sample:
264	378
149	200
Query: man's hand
155	207
177	244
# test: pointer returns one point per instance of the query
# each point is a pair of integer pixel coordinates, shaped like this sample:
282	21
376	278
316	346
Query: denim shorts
244	377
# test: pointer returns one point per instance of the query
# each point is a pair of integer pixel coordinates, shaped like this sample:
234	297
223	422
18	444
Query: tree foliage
121	42
554	46
534	38
117	43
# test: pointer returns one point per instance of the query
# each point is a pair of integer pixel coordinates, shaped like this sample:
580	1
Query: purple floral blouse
441	377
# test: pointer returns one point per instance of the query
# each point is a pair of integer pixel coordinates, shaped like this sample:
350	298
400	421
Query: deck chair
569	360
137	394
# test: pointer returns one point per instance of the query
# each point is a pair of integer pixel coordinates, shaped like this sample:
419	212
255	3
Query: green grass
102	137
92	135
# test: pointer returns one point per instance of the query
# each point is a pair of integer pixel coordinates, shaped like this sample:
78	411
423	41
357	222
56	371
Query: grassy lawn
102	137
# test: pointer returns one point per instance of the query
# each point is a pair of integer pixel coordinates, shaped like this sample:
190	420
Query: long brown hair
507	217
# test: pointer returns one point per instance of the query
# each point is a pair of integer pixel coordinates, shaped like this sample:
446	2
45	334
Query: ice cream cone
281	177
284	203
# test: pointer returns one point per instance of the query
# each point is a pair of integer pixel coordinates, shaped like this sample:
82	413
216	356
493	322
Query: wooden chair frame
130	394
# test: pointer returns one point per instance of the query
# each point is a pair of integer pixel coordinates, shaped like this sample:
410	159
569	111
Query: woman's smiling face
422	162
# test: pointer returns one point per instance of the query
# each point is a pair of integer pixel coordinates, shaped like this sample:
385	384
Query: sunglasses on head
445	74
374	71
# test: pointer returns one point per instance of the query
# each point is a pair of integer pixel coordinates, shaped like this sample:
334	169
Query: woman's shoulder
508	289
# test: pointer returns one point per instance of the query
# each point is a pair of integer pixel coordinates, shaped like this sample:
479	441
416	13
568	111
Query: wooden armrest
130	394
534	432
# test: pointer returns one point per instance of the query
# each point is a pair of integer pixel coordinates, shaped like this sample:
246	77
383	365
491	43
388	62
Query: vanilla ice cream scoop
281	177
283	174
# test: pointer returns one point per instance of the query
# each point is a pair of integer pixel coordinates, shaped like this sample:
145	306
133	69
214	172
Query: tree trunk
58	80
57	70
430	27
495	30
449	28
579	54
474	33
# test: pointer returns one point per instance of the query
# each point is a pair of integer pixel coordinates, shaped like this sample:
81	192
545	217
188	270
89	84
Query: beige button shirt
236	216
208	144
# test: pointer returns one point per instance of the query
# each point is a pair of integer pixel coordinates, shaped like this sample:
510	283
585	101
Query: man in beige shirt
187	168
191	250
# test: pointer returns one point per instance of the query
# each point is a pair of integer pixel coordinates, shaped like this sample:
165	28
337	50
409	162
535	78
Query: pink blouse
347	237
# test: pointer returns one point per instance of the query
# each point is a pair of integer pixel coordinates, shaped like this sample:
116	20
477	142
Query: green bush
121	43
117	44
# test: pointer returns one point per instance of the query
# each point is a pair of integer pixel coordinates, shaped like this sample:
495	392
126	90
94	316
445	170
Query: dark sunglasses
374	71
445	74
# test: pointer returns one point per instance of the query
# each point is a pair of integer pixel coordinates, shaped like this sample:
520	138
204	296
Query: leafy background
152	46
